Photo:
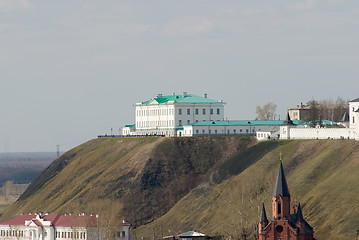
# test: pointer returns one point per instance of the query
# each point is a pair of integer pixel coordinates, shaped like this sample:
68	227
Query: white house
167	114
293	131
57	226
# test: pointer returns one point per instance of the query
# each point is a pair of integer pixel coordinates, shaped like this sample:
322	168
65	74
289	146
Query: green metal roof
253	123
189	98
131	125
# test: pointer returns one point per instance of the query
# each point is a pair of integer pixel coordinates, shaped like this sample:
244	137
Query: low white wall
322	133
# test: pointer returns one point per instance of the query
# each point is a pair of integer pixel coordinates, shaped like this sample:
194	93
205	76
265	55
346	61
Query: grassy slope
129	174
322	175
214	185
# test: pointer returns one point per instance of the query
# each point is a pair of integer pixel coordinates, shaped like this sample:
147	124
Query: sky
70	70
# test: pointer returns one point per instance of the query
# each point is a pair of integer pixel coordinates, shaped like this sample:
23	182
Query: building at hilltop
57	226
283	225
331	131
167	114
192	115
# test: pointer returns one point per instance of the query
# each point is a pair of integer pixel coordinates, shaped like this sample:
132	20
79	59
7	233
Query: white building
231	128
57	226
166	115
292	131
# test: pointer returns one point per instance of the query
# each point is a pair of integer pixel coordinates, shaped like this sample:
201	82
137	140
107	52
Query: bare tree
267	112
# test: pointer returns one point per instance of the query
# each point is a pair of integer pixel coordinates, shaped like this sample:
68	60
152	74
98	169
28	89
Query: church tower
283	225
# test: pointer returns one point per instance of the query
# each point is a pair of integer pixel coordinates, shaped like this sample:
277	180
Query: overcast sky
71	70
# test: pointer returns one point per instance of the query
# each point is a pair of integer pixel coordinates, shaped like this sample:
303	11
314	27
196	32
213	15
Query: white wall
321	133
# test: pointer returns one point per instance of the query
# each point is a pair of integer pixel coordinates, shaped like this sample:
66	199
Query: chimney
205	95
184	94
159	95
173	94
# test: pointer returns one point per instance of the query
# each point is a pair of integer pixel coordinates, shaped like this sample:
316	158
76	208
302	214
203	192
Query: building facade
166	115
283	225
331	131
301	112
57	226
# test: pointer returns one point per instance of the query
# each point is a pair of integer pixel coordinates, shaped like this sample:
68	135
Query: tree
267	112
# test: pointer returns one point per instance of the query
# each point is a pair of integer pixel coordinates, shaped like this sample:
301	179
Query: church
283	225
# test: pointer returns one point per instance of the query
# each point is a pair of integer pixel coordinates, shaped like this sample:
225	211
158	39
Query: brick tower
284	225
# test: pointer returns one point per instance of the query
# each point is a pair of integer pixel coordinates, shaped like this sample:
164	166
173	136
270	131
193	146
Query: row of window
196	111
141	124
228	131
165	112
76	235
11	233
154	112
169	123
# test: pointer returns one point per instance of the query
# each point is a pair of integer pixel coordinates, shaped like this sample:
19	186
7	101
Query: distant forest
22	168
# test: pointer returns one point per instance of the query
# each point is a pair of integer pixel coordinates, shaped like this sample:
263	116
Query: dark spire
288	121
281	187
263	216
299	213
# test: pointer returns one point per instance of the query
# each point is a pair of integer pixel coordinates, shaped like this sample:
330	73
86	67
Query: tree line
316	111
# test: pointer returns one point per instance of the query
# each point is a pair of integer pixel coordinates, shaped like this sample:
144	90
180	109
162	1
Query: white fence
322	133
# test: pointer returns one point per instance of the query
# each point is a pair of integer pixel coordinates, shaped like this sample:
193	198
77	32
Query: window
204	111
188	122
279	209
180	111
215	131
246	130
180	123
197	131
209	131
196	111
240	130
123	234
218	111
188	111
211	111
234	130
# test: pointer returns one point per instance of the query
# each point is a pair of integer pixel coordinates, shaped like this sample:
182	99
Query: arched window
279	209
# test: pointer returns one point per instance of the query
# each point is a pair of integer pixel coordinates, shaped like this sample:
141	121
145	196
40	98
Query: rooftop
181	98
254	123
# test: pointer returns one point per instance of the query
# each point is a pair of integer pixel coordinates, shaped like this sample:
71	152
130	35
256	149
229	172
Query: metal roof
188	98
191	234
281	187
254	123
263	216
355	100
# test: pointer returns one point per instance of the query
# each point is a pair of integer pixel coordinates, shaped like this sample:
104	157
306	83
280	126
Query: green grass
213	185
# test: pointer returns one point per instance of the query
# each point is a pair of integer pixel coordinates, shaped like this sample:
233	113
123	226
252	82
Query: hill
211	184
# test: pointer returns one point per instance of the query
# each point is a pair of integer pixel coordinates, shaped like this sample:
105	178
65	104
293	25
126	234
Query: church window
279	228
279	209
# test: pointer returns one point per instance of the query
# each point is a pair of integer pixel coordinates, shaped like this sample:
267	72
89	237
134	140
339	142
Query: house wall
321	133
166	119
218	130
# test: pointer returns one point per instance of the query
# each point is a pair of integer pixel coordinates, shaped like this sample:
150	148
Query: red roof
72	220
19	220
58	220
